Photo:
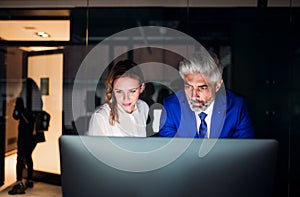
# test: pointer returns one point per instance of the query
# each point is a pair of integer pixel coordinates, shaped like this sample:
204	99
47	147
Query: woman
26	145
123	114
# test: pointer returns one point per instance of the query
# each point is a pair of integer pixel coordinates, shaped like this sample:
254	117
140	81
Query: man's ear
142	87
218	85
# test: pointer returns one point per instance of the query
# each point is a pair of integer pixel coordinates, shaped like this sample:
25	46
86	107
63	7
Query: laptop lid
154	166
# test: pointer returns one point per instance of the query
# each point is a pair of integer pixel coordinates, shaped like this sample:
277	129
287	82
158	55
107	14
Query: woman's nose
126	96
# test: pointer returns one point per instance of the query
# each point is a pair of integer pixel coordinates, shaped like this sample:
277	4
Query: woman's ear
218	85
142	87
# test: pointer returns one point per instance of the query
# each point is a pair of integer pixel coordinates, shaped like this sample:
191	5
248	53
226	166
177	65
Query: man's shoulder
234	97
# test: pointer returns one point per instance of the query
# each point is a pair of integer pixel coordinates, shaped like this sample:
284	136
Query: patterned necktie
203	125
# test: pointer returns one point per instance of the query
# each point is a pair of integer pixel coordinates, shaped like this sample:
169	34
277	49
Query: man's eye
203	88
187	86
132	91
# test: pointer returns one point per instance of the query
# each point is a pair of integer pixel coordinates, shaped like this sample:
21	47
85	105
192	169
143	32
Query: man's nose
194	93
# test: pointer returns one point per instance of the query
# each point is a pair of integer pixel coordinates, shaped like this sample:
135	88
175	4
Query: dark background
264	62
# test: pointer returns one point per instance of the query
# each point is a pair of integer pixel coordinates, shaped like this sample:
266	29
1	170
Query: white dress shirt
133	124
208	111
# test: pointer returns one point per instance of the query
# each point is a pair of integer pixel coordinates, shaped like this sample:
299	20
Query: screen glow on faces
199	91
126	91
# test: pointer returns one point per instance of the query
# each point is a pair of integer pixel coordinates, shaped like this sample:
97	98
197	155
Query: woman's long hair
124	68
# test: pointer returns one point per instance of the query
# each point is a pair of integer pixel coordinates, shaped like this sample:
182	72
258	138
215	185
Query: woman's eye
118	91
132	91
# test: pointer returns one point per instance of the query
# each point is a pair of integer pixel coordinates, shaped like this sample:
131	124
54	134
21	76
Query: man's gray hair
202	63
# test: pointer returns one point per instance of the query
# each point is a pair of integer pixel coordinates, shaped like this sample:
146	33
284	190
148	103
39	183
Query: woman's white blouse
133	124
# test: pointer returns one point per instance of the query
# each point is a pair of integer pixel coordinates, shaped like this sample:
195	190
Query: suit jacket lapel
218	114
188	124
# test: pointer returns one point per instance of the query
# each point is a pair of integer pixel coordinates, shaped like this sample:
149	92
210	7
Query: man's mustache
203	103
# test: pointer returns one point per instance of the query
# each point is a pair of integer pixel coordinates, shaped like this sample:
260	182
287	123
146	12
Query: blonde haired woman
123	114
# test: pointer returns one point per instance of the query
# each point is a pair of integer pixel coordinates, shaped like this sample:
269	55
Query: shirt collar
210	108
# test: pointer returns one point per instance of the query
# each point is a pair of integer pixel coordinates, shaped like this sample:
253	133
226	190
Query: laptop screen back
101	166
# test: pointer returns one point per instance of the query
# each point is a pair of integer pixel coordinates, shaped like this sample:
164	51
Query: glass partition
257	43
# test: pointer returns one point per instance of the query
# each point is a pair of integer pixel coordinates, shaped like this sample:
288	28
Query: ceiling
25	30
139	3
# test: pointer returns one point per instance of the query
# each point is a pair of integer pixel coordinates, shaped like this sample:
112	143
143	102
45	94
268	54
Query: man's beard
199	109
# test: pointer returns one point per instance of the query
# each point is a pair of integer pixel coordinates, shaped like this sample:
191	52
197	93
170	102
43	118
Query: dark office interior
259	46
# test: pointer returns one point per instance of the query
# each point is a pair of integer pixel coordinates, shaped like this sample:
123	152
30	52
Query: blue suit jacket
230	118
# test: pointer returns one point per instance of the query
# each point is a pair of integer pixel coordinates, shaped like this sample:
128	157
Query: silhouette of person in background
162	94
26	141
26	145
147	94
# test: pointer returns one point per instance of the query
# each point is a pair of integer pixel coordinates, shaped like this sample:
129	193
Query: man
204	108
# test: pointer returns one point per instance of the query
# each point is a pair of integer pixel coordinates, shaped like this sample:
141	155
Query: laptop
155	166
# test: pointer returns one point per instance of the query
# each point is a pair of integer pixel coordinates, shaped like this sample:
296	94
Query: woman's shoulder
102	109
142	104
